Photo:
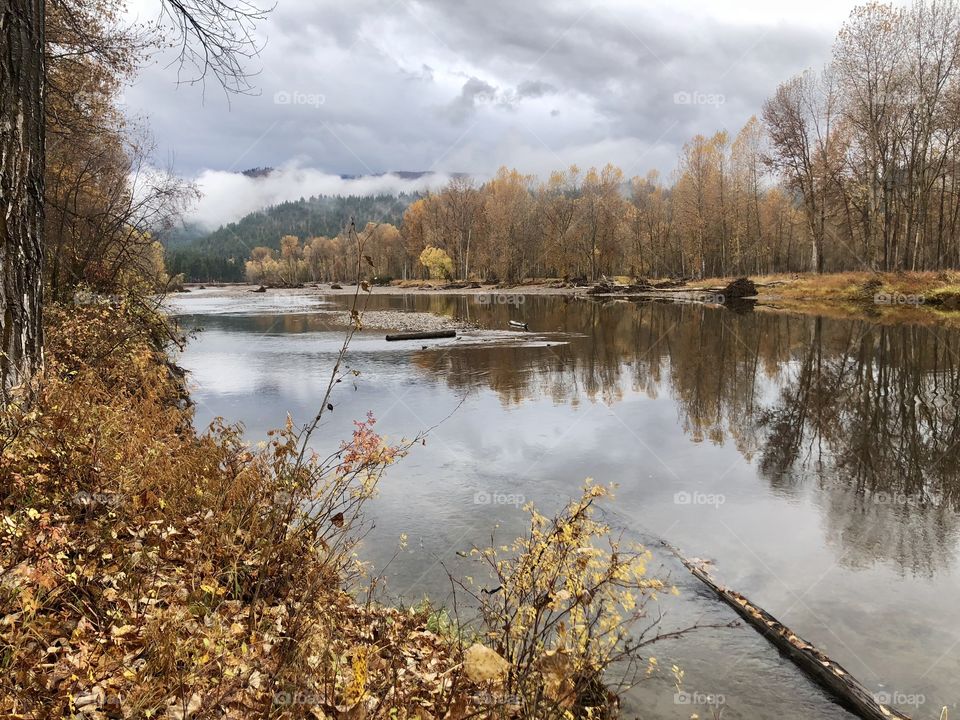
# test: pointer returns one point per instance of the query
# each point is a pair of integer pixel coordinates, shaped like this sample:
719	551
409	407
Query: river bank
921	297
152	570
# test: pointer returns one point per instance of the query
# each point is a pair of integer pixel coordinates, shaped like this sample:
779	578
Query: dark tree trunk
21	190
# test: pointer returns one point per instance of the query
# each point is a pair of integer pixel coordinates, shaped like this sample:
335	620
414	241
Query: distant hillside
182	235
220	255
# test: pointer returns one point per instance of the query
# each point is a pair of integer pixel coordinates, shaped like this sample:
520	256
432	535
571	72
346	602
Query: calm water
815	461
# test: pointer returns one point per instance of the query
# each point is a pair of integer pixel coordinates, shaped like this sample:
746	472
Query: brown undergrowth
148	570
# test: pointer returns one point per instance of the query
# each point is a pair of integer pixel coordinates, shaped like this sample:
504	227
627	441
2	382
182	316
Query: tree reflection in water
866	412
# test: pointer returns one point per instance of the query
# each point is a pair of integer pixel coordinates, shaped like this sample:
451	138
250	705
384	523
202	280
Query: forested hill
220	255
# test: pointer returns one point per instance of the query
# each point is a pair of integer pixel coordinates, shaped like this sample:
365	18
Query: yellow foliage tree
437	262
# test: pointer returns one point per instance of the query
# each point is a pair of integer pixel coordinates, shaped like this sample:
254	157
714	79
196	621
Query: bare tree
800	119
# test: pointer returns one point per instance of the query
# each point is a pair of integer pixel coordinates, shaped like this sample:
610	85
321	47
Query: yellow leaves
357	687
28	600
437	262
677	676
118	633
559	598
212	587
569	586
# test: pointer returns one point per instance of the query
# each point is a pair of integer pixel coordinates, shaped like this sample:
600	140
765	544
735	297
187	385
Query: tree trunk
21	190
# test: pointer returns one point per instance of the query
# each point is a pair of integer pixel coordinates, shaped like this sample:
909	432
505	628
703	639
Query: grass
923	297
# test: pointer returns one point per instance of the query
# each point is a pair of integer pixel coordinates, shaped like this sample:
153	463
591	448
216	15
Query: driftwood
829	674
431	335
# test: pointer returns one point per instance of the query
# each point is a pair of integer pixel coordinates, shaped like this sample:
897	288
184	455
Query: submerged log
829	674
431	335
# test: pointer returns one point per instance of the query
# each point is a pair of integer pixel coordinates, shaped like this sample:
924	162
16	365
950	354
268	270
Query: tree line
220	255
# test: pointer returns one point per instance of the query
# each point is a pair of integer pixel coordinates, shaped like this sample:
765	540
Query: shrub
565	611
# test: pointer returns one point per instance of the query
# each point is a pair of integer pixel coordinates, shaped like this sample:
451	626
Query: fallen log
431	335
829	674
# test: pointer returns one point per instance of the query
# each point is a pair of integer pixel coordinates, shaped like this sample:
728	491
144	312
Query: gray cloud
474	91
379	85
534	89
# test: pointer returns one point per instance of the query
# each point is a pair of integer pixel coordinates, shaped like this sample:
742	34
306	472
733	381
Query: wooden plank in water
431	335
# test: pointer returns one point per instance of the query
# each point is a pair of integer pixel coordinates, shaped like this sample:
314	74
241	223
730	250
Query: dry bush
568	616
145	568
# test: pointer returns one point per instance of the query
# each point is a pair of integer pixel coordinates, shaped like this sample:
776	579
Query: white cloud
228	196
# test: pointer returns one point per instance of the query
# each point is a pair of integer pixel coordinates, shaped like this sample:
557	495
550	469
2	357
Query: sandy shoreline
777	297
241	289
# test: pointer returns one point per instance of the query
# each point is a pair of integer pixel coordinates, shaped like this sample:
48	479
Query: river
814	461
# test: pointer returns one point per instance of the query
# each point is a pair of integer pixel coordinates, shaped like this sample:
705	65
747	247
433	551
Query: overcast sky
369	86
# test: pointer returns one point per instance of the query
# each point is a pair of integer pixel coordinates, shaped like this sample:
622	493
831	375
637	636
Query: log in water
432	335
829	674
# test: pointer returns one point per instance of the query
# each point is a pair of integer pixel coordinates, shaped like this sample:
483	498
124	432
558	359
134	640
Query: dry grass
147	571
846	286
150	571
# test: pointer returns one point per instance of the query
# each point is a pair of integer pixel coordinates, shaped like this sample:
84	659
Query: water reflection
866	412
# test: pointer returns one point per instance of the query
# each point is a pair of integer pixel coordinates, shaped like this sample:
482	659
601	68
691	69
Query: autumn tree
383	244
437	261
601	213
695	201
21	190
508	211
557	218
